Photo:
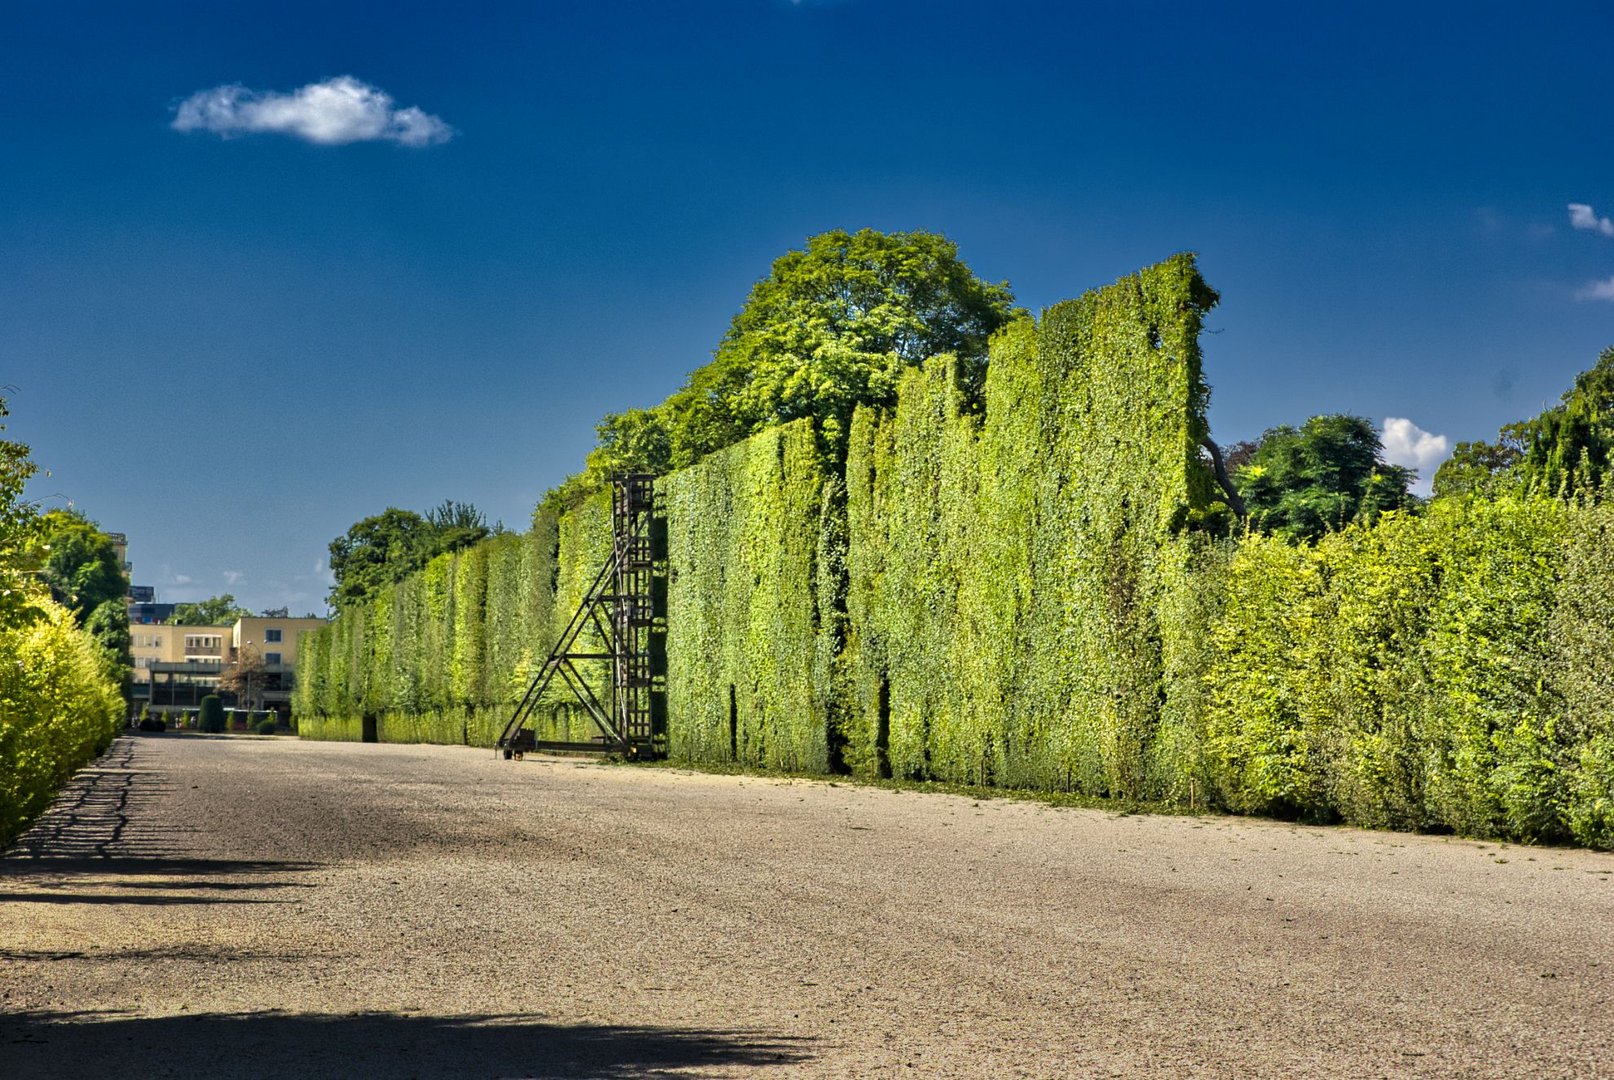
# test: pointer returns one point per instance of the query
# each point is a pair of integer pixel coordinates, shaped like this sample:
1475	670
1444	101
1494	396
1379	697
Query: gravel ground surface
219	907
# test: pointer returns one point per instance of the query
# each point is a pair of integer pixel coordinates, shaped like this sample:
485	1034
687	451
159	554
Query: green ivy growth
1011	583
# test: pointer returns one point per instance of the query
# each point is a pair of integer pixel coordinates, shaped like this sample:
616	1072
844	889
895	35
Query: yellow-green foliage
1005	577
911	481
59	708
1582	671
1448	671
743	529
1015	595
311	725
443	655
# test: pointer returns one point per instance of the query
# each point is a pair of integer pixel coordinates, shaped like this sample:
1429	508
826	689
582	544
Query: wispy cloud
233	577
1596	290
1582	216
331	113
1405	443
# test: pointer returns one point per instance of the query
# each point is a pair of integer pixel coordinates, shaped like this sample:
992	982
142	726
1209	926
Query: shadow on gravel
96	835
390	1045
125	898
22	865
94	817
47	880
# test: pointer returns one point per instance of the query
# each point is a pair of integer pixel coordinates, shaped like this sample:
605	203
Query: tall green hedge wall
1449	671
742	613
1006	594
1006	573
443	655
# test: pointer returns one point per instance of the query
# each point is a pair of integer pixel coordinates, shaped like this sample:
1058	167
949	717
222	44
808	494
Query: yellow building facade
175	665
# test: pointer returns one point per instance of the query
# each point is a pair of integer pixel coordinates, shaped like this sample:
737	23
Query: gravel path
226	907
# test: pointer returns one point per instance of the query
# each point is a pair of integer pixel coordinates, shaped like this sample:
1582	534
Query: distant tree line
1564	451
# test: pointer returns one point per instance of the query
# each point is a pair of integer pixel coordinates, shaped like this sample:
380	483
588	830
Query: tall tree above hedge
393	544
830	328
1568	448
1303	482
79	563
1565	450
19	524
219	610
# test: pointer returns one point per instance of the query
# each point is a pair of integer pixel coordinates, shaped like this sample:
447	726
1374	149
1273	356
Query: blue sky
234	340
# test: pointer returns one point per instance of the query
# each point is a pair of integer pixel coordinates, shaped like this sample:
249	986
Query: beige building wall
176	644
272	637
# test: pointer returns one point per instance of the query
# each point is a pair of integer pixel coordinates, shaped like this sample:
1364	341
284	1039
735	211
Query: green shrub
267	726
210	718
58	709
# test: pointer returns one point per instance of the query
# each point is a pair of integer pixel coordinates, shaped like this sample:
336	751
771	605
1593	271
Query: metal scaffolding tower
620	609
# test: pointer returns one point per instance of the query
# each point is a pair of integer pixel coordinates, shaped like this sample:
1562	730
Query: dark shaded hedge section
1007	596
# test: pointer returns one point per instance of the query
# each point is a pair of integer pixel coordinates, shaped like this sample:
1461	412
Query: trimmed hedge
59	708
742	615
1006	575
1017	595
443	655
1444	672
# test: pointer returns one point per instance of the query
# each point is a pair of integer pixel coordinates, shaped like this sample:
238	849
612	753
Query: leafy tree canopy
376	552
1482	468
79	564
1303	482
456	525
19	523
1565	450
109	625
391	545
830	328
214	611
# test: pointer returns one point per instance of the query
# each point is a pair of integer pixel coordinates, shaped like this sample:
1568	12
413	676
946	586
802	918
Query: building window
272	634
271	658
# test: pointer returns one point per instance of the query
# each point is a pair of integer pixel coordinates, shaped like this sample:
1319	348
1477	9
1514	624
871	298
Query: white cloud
1596	290
331	113
233	577
1405	443
182	579
1582	216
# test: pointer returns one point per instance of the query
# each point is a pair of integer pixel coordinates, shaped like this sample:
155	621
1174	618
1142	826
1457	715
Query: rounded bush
211	717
